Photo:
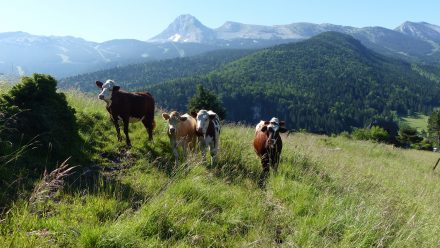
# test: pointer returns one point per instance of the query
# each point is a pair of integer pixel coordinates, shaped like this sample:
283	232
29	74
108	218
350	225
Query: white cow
208	131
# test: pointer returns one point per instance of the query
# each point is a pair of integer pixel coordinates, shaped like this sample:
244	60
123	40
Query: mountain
410	41
22	53
185	28
421	30
137	76
329	83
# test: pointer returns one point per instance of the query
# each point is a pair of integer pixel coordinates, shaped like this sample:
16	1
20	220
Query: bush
40	113
38	128
374	133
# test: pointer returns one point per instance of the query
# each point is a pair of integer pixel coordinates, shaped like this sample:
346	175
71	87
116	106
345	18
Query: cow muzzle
172	130
101	97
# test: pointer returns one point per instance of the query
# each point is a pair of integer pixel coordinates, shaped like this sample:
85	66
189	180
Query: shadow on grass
94	180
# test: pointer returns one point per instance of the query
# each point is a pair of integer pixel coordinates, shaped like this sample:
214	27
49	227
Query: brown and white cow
268	143
181	131
208	132
128	107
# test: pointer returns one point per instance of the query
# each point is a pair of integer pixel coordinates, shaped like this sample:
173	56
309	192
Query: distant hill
138	76
22	53
328	83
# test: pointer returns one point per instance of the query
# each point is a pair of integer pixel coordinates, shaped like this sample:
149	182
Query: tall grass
328	192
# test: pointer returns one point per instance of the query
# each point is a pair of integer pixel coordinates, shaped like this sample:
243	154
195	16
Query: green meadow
328	192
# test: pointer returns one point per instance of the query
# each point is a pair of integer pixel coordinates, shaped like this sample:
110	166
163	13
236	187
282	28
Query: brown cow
268	143
128	107
181	131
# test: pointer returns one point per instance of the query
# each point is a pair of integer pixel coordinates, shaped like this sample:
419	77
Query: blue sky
99	20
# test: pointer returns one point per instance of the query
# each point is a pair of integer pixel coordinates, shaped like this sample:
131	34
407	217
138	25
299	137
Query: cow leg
265	173
184	146
149	126
213	151
275	160
127	139
202	148
174	147
118	130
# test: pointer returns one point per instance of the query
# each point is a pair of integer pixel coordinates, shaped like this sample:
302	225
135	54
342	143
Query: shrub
37	130
40	113
374	133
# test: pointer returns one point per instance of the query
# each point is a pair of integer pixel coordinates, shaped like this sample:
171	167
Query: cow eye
273	123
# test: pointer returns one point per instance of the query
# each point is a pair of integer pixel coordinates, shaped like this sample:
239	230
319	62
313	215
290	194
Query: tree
434	126
409	137
204	99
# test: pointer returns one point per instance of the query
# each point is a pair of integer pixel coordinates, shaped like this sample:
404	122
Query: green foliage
374	133
434	126
37	130
137	76
329	84
408	135
40	113
204	99
328	192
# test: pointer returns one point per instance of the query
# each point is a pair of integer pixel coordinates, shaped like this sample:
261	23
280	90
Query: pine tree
434	126
204	99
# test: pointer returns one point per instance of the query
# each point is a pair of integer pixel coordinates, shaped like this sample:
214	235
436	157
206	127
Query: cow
208	132
128	107
268	143
181	131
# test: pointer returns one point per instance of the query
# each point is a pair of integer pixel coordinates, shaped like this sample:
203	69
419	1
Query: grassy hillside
329	192
418	121
328	83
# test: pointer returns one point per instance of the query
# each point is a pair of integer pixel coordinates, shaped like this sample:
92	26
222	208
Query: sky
101	20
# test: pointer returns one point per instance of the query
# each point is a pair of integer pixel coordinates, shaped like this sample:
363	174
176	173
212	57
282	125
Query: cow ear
266	122
193	114
99	84
282	130
212	116
116	88
282	123
264	129
183	118
165	116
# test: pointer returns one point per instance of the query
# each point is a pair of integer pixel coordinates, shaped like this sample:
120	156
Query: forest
327	84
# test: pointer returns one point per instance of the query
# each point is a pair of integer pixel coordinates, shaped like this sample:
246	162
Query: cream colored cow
181	131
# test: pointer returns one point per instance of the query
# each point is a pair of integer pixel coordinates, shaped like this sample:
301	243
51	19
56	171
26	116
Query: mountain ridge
23	53
329	83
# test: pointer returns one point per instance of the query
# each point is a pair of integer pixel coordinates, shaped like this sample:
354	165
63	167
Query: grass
419	121
328	192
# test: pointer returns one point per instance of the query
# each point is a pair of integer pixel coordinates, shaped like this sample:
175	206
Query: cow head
273	128
203	117
173	120
106	90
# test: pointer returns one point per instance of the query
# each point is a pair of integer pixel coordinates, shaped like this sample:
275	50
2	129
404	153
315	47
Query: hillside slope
329	192
328	83
137	76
